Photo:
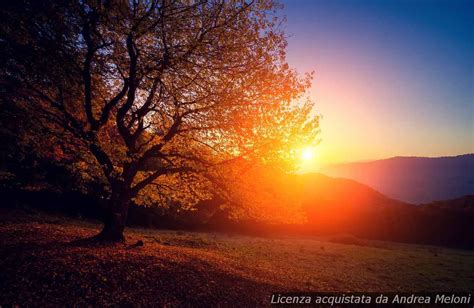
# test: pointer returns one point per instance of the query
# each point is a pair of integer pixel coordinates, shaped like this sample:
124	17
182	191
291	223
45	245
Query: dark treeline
447	223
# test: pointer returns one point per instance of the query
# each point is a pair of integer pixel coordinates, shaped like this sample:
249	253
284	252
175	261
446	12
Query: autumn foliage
155	102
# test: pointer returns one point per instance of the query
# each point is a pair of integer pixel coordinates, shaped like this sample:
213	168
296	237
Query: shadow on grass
38	272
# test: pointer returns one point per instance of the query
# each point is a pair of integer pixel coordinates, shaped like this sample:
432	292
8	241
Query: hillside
340	205
293	204
462	205
336	205
413	179
43	266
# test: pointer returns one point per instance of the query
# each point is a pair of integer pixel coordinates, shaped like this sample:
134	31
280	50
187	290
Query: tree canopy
162	100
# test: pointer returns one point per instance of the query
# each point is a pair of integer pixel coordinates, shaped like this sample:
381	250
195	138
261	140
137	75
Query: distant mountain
413	179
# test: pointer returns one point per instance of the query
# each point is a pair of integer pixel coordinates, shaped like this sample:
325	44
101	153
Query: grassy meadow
177	267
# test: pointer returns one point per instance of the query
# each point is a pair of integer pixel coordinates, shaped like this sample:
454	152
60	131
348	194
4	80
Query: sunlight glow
307	154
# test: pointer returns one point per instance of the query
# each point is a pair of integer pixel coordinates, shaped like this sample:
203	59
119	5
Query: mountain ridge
395	157
412	179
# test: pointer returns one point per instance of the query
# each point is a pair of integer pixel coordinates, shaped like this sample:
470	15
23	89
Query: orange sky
391	78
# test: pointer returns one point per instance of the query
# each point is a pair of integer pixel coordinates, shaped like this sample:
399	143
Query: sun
307	154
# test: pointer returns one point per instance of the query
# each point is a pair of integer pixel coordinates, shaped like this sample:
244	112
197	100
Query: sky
392	78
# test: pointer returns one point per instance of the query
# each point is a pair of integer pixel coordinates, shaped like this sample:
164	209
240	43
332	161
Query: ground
39	266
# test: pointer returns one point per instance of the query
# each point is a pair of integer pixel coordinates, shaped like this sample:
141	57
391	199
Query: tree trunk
115	219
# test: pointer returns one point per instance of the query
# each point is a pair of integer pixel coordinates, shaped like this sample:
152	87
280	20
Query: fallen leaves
40	268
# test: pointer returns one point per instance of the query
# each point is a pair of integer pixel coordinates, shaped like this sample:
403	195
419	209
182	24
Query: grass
39	267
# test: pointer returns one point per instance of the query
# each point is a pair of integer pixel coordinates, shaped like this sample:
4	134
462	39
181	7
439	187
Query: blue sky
391	77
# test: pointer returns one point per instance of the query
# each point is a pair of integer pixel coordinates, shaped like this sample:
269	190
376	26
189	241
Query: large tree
158	97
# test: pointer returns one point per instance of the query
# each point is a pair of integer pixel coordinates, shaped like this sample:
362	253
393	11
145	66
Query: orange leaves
162	97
